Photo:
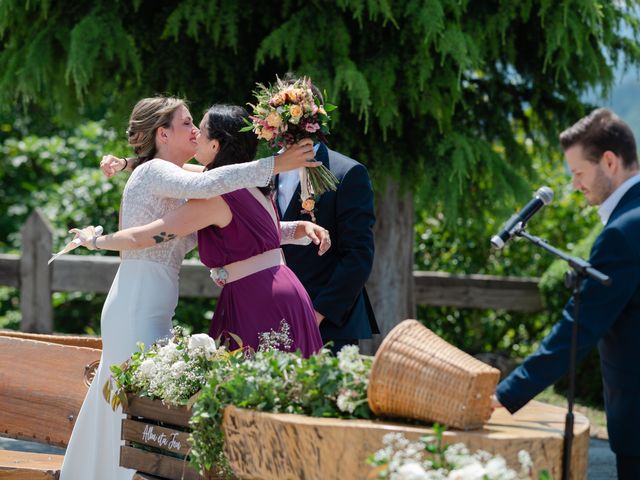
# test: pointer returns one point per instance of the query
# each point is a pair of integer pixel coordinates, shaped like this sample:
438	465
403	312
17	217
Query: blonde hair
147	116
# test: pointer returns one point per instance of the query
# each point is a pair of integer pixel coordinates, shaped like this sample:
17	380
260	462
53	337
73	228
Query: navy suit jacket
610	318
335	281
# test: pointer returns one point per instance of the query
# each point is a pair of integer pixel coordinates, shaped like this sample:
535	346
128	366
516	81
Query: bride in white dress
144	293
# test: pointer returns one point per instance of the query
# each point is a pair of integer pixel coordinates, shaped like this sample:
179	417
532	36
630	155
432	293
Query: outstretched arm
189	218
297	156
110	165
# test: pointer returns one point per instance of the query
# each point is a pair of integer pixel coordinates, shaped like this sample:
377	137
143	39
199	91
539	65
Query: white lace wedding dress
142	299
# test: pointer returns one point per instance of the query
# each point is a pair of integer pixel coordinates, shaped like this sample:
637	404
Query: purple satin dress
259	302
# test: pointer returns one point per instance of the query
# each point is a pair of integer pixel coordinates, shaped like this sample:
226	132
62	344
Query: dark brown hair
224	123
601	131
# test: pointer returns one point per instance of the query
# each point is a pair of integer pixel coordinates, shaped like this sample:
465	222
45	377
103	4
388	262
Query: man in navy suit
335	281
601	152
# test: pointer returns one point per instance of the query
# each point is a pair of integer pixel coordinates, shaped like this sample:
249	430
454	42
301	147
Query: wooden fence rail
72	273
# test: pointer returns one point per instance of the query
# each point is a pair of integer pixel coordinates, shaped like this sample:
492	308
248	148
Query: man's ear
611	162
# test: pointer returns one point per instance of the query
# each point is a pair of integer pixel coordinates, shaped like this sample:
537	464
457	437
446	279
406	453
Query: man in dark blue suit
335	281
601	152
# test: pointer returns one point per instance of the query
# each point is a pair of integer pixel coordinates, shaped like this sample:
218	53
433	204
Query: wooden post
35	275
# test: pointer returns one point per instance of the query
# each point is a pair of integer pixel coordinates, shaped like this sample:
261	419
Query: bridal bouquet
285	114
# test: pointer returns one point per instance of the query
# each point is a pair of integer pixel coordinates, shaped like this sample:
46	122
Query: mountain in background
625	101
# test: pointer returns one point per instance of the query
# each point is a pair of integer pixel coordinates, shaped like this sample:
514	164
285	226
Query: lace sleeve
170	181
287	232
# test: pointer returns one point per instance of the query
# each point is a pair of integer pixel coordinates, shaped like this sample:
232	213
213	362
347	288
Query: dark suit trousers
628	467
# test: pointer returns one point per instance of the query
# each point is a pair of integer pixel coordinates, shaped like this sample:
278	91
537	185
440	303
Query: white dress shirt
287	184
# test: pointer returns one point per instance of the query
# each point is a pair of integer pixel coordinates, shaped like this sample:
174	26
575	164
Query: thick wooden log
42	387
279	446
35	278
477	291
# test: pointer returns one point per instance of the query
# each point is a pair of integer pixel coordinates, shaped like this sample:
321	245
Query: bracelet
93	242
126	163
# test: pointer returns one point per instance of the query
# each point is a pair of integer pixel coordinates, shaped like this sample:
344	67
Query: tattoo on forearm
164	237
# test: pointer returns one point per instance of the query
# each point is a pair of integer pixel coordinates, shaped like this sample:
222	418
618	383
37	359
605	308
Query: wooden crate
157	441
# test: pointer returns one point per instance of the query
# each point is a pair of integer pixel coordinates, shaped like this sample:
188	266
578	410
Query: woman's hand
318	235
110	165
297	155
85	236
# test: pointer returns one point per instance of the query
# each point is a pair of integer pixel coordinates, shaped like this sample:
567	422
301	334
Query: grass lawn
596	416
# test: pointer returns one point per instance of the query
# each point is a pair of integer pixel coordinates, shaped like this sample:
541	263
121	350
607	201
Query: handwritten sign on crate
157	440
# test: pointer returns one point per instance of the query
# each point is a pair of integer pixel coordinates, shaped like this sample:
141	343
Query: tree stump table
271	446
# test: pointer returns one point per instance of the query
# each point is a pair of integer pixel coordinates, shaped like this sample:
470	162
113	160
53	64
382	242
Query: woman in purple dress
239	238
243	250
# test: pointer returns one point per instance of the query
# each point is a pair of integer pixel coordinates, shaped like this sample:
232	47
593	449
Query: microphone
543	197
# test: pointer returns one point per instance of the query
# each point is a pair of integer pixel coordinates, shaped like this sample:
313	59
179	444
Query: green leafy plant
274	381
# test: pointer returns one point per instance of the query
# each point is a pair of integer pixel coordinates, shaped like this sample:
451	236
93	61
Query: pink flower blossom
311	127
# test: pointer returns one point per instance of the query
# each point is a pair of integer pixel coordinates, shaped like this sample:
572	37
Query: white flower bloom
146	368
472	471
525	460
168	352
345	402
497	468
411	471
178	368
202	340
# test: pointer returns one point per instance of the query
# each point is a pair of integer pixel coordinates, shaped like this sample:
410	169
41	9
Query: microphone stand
580	269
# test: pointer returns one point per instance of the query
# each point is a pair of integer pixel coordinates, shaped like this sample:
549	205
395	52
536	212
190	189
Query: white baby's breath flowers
525	460
174	369
347	401
351	362
276	339
412	471
406	460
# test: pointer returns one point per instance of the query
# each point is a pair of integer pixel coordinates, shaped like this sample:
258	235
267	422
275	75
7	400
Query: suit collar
632	194
608	206
322	154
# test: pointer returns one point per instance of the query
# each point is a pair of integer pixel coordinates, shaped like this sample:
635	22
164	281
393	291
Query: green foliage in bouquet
274	381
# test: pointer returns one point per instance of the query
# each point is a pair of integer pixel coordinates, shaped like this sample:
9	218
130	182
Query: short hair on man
601	131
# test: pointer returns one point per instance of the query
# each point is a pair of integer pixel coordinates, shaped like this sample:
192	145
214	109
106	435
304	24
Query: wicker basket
418	375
